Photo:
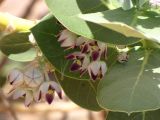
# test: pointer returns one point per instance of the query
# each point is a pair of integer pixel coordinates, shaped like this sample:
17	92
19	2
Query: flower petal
63	35
44	87
37	94
33	77
17	93
28	98
70	57
75	66
49	97
68	43
103	68
85	48
97	69
15	77
94	77
80	41
95	55
94	67
67	38
57	88
74	55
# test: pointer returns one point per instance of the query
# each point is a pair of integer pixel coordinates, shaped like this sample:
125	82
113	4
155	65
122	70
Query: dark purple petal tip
49	98
60	95
75	66
85	49
94	77
70	57
95	55
39	96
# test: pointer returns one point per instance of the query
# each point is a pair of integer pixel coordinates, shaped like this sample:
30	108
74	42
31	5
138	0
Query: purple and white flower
15	77
47	90
80	62
22	93
33	77
155	2
97	69
67	39
89	56
95	49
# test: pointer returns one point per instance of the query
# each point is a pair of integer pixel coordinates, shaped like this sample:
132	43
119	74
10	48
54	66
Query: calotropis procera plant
33	83
105	55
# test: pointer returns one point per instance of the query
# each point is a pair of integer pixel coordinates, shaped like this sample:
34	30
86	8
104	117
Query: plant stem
137	4
18	24
8	105
150	44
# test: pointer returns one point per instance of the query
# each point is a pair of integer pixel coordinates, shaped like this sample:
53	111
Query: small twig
104	114
29	9
1	1
2	96
90	115
65	116
7	105
3	62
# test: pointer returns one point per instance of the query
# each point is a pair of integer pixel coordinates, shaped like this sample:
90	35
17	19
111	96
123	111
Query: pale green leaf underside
68	13
150	115
134	86
26	56
130	23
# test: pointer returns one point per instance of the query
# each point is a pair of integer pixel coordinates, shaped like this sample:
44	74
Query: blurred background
15	110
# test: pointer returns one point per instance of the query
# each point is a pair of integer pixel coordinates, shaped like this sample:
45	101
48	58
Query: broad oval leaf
149	115
83	93
45	34
133	86
17	47
145	25
68	15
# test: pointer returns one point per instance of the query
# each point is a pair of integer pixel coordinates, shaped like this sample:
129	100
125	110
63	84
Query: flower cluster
88	58
34	85
155	2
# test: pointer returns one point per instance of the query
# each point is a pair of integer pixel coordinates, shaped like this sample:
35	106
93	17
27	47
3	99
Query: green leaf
111	4
124	116
133	86
17	47
145	25
126	4
45	34
27	56
15	43
68	15
142	2
83	93
150	115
